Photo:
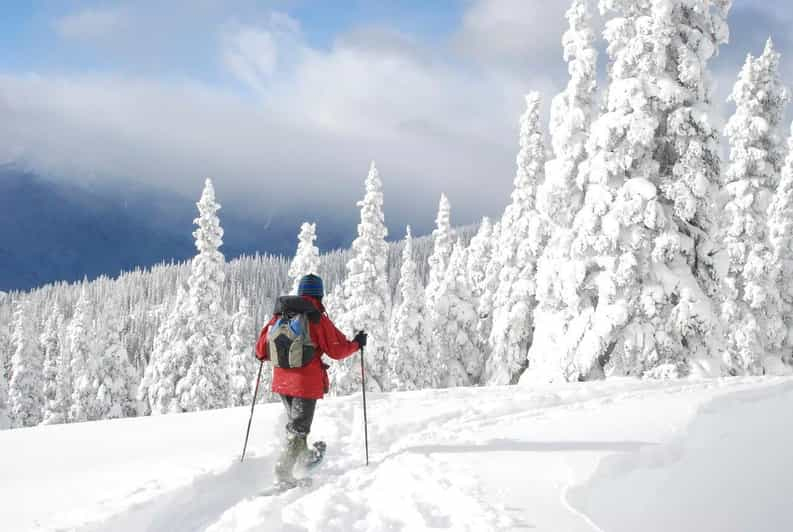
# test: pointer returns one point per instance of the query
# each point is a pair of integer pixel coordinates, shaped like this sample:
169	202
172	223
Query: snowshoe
283	486
313	456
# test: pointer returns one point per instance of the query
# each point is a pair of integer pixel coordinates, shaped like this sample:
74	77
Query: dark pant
300	413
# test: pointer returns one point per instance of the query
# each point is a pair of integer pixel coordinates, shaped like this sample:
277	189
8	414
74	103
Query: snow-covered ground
616	455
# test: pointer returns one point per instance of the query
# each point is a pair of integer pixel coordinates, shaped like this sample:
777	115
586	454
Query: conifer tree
306	259
460	359
487	293
441	251
25	390
410	364
117	378
85	379
169	362
5	421
205	385
749	303
780	234
522	239
366	299
479	254
51	348
242	367
639	258
58	410
561	195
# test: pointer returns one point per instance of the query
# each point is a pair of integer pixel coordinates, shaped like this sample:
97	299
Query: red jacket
310	381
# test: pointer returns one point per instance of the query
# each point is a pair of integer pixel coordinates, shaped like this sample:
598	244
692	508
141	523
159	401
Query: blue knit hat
311	285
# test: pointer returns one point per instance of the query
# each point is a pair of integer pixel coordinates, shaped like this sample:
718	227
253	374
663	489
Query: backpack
289	339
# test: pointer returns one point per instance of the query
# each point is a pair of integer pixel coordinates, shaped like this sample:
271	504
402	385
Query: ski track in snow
470	459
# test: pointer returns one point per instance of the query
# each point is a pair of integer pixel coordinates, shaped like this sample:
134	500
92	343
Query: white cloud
253	54
91	23
437	117
317	119
514	31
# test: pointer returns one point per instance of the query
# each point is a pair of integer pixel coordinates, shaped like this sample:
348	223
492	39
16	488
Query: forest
631	246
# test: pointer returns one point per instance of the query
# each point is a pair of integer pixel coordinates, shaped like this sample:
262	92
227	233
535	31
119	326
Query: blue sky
248	92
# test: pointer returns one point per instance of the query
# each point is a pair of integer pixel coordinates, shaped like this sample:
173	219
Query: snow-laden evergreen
520	243
83	360
25	389
411	367
115	396
561	195
750	302
306	259
242	362
486	291
5	421
780	235
169	362
57	410
638	261
460	359
205	385
441	251
365	297
49	340
479	254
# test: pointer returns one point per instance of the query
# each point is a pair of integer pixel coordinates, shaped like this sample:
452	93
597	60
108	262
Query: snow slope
616	455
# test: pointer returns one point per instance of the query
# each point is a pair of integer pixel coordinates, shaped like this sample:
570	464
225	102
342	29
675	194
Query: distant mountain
51	231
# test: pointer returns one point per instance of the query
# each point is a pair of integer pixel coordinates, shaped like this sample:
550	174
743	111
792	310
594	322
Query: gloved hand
360	339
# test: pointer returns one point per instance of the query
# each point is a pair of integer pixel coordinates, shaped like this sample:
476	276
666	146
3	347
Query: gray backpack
289	339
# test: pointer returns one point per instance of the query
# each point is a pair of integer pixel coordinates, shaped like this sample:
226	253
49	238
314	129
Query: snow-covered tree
205	385
25	390
307	257
51	348
169	362
750	306
487	292
441	251
115	396
242	363
521	241
459	357
479	254
5	421
57	410
411	367
366	299
561	196
84	371
780	234
639	258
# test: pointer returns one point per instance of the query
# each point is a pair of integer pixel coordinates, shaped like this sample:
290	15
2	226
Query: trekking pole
253	404
365	428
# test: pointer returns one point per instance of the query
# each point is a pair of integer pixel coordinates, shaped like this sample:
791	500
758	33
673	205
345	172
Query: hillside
619	455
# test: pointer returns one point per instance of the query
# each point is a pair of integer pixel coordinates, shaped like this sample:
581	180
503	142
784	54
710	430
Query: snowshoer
299	375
